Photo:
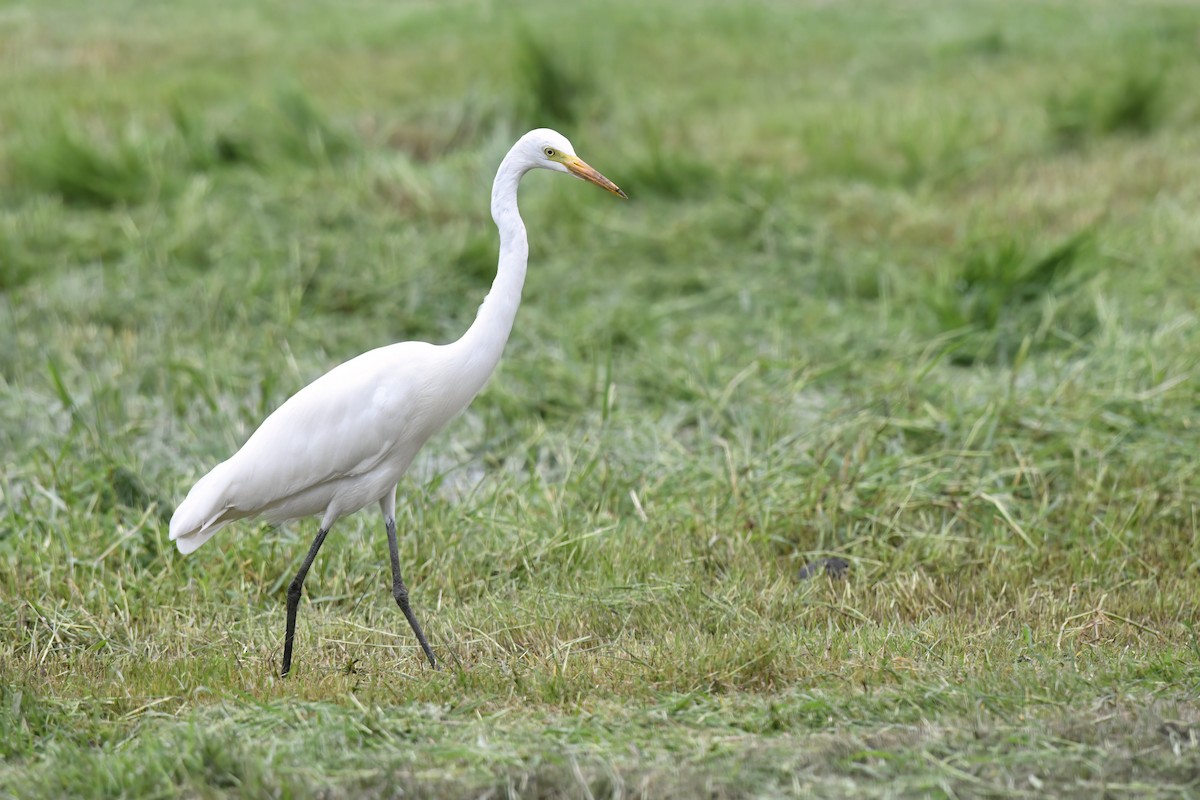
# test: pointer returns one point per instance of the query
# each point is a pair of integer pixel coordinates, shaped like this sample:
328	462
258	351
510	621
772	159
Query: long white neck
483	343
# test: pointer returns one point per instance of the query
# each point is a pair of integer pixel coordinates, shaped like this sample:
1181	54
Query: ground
911	285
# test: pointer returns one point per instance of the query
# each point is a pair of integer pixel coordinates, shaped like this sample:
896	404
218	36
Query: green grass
913	285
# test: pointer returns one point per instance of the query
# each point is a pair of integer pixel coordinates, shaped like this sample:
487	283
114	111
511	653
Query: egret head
547	149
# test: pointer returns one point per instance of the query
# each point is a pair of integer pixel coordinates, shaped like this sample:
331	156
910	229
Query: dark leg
400	591
294	599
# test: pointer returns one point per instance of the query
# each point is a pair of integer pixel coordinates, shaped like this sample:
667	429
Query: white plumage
345	440
335	446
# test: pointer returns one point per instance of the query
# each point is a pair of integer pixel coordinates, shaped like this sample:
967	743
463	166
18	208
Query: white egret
344	441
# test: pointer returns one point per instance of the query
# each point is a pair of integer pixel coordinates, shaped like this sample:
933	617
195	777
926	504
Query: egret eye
549	151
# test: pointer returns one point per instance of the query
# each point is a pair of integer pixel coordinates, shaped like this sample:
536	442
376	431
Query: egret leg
293	600
400	591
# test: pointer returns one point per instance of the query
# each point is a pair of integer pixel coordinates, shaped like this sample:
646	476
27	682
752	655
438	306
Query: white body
336	446
344	441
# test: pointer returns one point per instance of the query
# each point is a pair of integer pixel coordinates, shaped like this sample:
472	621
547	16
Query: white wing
363	419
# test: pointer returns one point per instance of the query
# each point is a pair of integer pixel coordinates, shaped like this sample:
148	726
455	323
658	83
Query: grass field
912	284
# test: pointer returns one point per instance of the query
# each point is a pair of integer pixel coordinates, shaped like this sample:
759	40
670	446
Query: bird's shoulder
359	398
342	423
396	369
389	359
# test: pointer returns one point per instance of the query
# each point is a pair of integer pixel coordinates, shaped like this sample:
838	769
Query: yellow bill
580	169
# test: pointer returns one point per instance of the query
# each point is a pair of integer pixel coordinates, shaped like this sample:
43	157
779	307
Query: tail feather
202	513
